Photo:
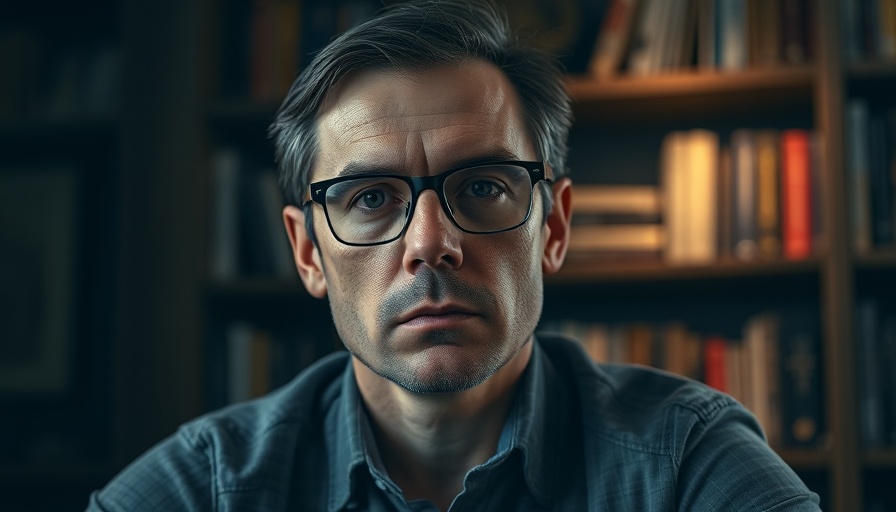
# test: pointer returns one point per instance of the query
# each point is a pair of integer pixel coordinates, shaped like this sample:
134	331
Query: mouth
436	316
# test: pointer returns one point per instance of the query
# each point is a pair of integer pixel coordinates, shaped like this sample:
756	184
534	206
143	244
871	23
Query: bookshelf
620	126
60	150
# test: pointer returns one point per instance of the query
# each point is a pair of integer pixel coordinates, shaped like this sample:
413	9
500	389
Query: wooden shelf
806	459
600	272
880	459
693	93
877	260
872	70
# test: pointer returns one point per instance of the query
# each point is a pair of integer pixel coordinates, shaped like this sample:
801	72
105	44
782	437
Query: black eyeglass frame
317	192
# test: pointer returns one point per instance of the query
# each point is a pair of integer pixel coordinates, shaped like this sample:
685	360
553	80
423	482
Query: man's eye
373	199
484	188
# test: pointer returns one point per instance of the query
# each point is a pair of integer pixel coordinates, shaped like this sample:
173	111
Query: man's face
438	310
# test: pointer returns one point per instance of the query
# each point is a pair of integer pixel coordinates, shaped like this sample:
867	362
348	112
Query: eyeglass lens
482	199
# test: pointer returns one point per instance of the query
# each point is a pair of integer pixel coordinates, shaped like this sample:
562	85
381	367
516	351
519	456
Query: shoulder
293	406
637	406
244	448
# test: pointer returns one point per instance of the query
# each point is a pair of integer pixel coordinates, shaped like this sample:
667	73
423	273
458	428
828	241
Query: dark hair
415	35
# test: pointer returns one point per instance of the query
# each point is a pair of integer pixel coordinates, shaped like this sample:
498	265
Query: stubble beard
430	372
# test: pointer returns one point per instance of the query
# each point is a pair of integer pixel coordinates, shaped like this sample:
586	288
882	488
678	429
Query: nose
431	238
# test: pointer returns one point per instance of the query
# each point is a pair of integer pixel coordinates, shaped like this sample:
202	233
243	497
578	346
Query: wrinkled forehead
404	118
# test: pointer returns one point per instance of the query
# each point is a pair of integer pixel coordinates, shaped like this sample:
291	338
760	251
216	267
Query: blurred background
734	220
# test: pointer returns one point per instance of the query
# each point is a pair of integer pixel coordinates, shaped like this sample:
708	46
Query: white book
676	188
702	209
617	238
633	199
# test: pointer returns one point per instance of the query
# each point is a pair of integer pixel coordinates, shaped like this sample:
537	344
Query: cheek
356	276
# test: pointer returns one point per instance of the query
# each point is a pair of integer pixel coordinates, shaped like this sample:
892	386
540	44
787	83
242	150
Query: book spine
702	156
225	261
858	174
871	414
796	191
887	20
768	214
706	35
715	374
675	185
881	178
794	24
743	173
801	382
733	54
613	38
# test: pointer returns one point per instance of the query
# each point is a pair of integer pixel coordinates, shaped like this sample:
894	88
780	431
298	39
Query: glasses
375	209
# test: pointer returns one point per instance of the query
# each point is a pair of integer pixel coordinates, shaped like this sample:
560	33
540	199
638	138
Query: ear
556	228
305	254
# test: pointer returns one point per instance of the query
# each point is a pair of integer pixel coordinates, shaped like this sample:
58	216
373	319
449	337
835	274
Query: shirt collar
537	410
346	446
531	418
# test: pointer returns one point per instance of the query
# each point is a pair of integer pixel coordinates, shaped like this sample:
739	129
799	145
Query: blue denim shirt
579	436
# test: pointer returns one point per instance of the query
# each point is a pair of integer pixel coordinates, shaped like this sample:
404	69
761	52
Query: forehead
420	121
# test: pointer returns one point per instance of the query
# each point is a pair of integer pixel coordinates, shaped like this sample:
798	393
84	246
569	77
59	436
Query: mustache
429	285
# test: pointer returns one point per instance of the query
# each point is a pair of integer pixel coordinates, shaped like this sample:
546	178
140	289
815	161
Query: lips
435	313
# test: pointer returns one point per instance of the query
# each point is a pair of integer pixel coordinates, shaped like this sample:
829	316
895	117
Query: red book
714	363
796	195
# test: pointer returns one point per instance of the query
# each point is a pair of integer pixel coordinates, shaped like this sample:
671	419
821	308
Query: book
857	174
732	34
614	38
707	55
224	258
715	371
744	177
764	24
801	383
726	204
888	377
796	193
871	400
761	347
703	158
689	178
881	181
887	30
676	197
629	199
271	200
616	239
683	351
768	230
795	25
646	40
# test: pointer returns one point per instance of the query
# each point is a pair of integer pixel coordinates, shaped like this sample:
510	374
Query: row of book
773	367
876	344
756	198
248	236
871	171
646	37
40	83
259	360
266	42
869	30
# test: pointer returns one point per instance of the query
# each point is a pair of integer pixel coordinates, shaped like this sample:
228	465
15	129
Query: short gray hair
419	35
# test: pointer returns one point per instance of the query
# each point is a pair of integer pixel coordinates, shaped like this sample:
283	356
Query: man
423	159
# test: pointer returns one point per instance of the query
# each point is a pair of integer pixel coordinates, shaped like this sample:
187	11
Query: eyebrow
495	155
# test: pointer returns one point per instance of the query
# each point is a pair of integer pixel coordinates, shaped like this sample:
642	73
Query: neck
428	443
